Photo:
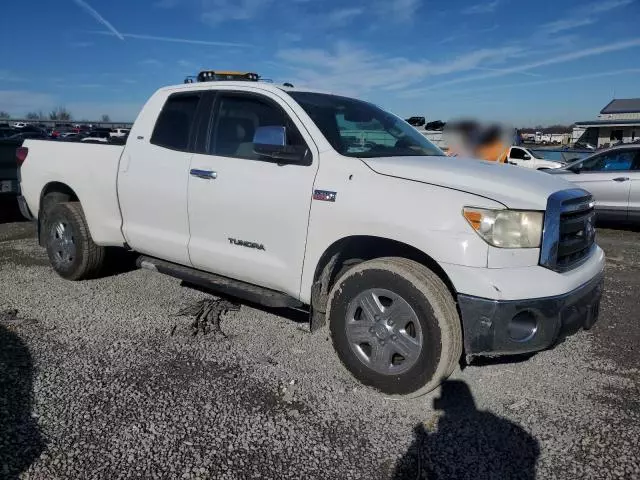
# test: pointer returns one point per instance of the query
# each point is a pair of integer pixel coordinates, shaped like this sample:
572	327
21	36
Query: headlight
506	228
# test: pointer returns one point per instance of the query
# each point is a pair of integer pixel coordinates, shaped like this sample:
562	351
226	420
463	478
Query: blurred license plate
6	186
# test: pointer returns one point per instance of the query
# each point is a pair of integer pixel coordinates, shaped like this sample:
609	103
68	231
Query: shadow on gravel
468	443
20	440
298	316
118	261
9	211
628	227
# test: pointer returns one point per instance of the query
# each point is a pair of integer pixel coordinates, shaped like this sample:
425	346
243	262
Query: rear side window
175	121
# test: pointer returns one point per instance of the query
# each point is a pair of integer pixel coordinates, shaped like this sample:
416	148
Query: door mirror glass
270	135
271	142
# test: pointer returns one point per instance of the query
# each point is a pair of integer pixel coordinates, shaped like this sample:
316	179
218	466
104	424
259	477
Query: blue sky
506	60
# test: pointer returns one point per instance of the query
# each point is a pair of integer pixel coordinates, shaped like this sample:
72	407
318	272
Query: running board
218	283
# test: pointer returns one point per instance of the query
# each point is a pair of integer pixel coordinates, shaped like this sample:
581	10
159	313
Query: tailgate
9	166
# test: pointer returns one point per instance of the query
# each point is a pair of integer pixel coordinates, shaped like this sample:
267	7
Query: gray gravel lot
93	385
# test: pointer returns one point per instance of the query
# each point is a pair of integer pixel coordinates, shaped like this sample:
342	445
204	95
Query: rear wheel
71	250
395	326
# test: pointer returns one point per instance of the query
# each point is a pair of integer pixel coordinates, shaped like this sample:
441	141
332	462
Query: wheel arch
66	193
354	249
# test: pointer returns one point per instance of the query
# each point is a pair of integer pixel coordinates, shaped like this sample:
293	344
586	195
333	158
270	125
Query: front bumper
497	327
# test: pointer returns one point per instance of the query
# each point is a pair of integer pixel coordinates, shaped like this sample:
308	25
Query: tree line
58	114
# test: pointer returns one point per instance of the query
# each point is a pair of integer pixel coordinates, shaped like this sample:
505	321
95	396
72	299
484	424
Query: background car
541	159
120	132
98	136
613	177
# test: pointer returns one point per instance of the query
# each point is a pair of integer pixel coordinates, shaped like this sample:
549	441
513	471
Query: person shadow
467	443
20	440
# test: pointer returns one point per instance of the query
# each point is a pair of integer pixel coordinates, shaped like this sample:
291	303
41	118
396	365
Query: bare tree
33	116
105	118
60	113
4	115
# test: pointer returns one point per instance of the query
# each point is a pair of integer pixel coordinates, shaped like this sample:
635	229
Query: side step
218	283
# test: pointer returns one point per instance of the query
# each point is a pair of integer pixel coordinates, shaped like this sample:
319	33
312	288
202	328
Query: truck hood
513	186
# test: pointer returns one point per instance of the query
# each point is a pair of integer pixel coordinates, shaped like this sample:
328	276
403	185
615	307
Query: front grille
569	233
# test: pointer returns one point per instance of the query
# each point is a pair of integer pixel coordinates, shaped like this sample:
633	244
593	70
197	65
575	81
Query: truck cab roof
243	85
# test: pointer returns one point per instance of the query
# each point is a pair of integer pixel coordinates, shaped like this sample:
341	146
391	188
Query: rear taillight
21	155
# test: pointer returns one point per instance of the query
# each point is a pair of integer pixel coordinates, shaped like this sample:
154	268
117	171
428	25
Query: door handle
206	174
621	179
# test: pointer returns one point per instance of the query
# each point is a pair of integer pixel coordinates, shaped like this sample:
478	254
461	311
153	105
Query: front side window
359	129
174	122
612	161
237	119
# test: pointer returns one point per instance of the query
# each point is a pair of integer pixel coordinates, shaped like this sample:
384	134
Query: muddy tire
395	326
72	252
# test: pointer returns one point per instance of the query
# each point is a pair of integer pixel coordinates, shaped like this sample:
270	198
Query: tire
72	252
429	319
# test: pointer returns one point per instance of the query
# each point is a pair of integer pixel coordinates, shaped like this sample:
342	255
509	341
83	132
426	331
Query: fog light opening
523	327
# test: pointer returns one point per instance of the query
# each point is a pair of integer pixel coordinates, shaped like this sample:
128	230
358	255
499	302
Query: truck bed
90	169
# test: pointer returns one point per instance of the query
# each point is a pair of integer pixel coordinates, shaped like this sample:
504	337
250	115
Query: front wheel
71	250
395	326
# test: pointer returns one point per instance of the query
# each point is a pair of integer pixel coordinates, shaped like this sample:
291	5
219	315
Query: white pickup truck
414	259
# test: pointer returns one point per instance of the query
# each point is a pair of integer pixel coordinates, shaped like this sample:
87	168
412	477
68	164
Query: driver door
248	215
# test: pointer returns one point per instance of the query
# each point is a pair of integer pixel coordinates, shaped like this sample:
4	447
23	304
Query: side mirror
575	168
527	156
271	142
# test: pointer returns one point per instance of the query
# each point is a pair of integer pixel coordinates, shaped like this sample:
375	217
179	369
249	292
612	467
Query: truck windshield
360	129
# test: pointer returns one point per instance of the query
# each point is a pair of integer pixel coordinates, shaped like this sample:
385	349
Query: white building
619	121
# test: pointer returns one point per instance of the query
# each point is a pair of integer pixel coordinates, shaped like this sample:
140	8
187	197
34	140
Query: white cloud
81	44
291	37
599	7
218	11
397	10
549	81
566	24
343	16
564	58
151	62
87	8
19	102
582	16
186	64
167	3
348	68
7	76
486	7
189	41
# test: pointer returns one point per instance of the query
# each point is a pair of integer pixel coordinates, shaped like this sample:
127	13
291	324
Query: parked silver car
613	177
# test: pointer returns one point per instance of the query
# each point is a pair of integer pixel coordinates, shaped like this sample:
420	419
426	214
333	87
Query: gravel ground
93	384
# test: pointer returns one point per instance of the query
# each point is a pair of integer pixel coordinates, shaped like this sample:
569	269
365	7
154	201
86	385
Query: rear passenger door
153	181
249	215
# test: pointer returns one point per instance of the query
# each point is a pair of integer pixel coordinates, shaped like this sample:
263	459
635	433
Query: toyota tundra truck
294	198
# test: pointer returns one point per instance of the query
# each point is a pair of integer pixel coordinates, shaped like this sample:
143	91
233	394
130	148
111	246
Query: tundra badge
244	243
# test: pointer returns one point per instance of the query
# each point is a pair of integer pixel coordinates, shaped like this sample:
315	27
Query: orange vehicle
487	145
